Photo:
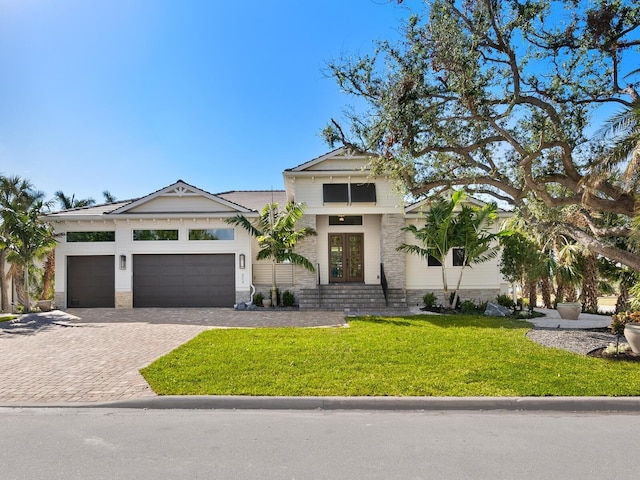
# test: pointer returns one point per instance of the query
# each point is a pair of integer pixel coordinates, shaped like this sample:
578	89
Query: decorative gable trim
179	189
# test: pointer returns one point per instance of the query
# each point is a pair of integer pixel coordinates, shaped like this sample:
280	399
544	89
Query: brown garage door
184	280
91	281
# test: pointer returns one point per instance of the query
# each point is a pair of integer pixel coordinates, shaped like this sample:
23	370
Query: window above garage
91	236
211	234
155	235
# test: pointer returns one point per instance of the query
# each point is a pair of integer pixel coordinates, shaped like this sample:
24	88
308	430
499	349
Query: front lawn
406	356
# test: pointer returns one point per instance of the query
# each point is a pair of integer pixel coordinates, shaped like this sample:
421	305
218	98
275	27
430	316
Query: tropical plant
451	224
27	237
16	195
67	202
288	298
275	230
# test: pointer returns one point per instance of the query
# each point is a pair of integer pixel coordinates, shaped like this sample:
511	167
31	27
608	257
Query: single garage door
184	280
91	281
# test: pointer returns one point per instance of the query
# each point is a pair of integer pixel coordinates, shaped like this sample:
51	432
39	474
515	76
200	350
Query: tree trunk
622	304
546	289
590	279
4	284
49	271
531	291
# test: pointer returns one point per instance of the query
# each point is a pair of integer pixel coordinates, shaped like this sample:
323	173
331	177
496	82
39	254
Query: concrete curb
550	404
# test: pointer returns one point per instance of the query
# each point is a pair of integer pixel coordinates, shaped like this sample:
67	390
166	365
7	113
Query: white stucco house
173	247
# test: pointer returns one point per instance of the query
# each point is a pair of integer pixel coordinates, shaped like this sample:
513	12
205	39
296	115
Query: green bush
467	307
505	300
429	299
288	299
257	299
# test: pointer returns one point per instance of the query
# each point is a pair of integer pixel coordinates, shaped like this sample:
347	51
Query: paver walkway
91	355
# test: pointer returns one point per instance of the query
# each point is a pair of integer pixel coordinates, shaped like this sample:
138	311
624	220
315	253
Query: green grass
429	355
6	318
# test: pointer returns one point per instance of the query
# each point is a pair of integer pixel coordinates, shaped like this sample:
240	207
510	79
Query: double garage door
180	280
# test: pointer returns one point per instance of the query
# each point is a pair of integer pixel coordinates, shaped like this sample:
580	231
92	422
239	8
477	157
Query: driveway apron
94	355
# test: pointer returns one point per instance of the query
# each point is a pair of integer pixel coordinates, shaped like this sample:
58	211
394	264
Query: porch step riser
351	298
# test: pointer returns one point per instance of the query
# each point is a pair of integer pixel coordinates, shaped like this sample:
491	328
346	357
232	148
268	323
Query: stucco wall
125	245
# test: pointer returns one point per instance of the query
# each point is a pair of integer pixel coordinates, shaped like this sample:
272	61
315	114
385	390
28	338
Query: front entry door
346	257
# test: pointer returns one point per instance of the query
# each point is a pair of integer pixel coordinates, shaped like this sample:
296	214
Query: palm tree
108	196
277	236
16	194
437	237
474	238
623	131
21	204
450	224
67	202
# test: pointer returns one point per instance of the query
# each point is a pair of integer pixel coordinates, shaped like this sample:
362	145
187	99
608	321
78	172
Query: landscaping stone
495	310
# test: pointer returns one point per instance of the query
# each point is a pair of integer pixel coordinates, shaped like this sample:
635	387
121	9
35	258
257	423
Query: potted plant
628	324
569	310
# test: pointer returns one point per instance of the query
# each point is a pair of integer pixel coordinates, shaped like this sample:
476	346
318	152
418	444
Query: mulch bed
620	357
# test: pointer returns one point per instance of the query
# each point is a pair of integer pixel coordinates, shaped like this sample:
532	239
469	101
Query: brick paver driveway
93	355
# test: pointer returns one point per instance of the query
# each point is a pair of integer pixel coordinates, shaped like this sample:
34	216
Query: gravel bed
576	341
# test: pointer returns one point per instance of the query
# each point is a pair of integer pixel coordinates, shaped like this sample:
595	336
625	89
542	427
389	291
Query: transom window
211	234
345	219
155	235
91	236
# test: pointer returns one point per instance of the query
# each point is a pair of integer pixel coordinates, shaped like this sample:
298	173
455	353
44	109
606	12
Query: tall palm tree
67	202
16	195
108	196
277	236
622	131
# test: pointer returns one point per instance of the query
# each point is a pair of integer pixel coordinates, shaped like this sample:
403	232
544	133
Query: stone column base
124	299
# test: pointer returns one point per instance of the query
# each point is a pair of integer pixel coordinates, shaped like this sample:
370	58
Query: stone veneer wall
391	236
414	297
308	248
59	300
124	299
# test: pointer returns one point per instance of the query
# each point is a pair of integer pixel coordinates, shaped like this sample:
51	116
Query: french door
346	257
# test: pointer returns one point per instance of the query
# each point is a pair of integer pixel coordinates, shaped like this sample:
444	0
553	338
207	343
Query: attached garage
184	280
91	281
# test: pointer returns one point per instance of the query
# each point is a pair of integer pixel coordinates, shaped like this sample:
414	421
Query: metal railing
383	282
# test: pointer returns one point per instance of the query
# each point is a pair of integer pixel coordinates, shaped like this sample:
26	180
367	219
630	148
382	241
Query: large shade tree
498	97
277	235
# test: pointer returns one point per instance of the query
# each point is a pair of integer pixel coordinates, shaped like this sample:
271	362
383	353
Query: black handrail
383	282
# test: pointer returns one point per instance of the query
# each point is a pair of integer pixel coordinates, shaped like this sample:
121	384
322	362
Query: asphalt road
53	443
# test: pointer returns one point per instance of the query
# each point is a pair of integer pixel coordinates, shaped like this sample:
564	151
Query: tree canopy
498	97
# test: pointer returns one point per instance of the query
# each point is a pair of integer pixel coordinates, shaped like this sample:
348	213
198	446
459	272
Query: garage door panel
189	280
91	281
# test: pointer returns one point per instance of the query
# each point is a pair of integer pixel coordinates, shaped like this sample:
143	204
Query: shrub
505	300
468	307
257	299
429	299
288	299
619	320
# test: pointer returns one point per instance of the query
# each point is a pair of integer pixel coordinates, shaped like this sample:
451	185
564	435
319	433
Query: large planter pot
569	310
266	302
632	334
45	305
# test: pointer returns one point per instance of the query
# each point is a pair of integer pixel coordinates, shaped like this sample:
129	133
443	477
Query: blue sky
132	95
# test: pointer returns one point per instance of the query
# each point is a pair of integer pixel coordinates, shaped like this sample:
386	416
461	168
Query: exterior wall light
241	261
123	262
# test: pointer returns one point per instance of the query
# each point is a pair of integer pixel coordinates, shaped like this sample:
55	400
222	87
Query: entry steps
352	298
